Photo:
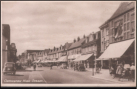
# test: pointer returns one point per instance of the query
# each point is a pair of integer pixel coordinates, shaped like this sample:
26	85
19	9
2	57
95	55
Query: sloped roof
46	50
34	51
67	45
77	43
123	7
56	51
6	30
91	42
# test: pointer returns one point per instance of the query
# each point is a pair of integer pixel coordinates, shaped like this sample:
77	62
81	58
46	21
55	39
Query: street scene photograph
68	43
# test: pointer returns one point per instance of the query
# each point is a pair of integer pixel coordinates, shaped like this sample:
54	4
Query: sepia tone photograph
68	43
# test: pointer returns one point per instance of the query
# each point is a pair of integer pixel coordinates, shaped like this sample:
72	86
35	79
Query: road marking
43	78
36	77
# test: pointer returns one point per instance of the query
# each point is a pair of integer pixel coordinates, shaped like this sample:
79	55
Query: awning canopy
116	50
48	61
62	59
83	57
74	56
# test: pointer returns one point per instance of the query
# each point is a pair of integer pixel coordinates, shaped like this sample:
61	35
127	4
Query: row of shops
115	53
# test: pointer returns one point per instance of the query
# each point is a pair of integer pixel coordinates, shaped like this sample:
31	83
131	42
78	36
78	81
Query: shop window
132	26
114	32
132	17
102	32
127	16
104	45
113	39
107	31
125	27
110	32
128	36
125	37
112	23
121	38
89	48
6	47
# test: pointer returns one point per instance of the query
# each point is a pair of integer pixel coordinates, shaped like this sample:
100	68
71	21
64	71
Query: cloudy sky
45	24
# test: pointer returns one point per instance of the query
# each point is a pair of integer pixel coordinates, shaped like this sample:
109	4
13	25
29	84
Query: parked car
81	67
63	66
9	67
39	65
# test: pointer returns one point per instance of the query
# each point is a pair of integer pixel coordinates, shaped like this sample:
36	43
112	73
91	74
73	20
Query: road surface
45	75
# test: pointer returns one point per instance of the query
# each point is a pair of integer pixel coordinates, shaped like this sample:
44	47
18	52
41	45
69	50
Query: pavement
105	75
45	75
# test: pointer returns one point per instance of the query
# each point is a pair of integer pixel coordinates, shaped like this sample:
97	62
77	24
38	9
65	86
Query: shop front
86	60
118	53
71	58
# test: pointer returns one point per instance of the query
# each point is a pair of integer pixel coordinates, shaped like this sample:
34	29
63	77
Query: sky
39	25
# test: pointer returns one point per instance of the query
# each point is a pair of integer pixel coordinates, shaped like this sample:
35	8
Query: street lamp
93	64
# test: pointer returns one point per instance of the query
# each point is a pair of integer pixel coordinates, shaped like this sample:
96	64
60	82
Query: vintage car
9	67
39	65
63	66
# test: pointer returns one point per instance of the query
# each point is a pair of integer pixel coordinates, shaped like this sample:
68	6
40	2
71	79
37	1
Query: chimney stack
78	38
74	40
84	36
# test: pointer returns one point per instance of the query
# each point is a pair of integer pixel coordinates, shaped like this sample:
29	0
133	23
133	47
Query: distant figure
57	64
132	68
119	71
51	66
34	66
113	69
99	66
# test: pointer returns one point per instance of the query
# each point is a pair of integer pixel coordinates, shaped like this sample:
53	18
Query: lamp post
94	64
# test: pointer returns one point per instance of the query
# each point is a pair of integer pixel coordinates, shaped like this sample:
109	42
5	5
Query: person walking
51	66
132	69
99	66
34	67
74	67
113	70
119	71
57	64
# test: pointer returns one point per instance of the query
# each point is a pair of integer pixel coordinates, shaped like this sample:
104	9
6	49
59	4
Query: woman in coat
119	71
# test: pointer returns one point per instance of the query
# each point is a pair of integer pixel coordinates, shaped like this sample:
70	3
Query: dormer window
94	36
87	40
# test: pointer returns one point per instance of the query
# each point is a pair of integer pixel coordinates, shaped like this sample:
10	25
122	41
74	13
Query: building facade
120	28
13	53
91	46
75	50
5	44
45	54
123	19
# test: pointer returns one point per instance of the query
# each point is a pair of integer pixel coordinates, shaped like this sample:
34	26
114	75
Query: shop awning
74	56
116	50
83	57
62	59
70	57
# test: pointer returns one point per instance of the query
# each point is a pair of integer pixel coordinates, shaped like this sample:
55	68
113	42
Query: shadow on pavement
24	70
37	70
14	75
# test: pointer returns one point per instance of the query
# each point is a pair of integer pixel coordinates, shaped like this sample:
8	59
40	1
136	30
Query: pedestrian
51	66
74	66
34	66
99	66
113	70
119	71
132	69
57	64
